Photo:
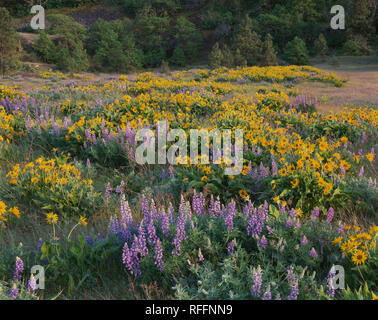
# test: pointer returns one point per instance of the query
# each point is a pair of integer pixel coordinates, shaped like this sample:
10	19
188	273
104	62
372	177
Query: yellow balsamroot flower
83	221
359	257
370	157
294	183
3	207
204	178
337	240
323	145
15	211
344	140
283	172
244	194
52	218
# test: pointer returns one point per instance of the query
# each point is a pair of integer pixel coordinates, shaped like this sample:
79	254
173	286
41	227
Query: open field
107	227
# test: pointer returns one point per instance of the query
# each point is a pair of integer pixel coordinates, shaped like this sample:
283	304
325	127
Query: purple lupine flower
144	207
170	170
32	284
304	240
315	213
180	235
229	218
151	231
289	223
130	259
159	255
270	230
313	253
13	293
88	163
126	221
141	243
108	190
330	289
293	213
293	283
89	240
257	281
231	246
340	229
267	294
263	242
342	170
361	173
163	175
215	207
330	215
19	269
198	203
39	245
113	225
165	223
256	218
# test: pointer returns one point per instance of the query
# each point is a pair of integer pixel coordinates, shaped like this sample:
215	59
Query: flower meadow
74	200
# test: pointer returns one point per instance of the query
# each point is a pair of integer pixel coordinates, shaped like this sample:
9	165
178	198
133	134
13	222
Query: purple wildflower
330	215
304	240
267	294
19	269
263	242
257	281
315	213
13	293
313	253
231	247
32	284
159	255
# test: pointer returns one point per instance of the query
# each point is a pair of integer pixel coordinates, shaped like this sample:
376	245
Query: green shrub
9	54
215	57
296	52
45	48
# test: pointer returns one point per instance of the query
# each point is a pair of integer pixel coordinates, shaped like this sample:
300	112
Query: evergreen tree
239	59
269	55
188	37
215	57
45	48
320	46
71	55
178	57
296	52
151	31
362	17
248	42
227	57
9	54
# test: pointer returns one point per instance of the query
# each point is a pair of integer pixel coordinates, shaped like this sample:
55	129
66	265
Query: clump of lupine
278	253
18	288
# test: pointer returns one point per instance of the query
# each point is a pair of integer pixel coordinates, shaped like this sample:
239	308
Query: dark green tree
188	38
239	59
320	46
45	48
9	54
215	57
227	57
248	42
151	34
269	55
296	52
